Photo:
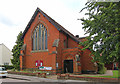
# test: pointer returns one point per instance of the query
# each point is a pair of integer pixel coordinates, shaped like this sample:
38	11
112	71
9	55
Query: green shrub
101	68
35	70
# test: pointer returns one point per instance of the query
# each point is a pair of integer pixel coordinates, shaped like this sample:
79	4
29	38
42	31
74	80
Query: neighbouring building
50	47
5	55
112	66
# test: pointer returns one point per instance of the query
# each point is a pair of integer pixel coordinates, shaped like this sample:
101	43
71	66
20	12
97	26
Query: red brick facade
66	47
112	66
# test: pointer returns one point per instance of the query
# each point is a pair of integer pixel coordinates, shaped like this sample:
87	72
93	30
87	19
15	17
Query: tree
103	27
16	52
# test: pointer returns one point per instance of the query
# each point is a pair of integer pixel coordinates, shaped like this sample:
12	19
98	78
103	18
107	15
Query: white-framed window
6	63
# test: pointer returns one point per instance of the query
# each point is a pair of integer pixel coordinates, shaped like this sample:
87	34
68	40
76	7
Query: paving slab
108	73
38	79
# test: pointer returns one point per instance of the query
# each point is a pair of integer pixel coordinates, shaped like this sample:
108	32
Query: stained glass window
43	39
39	39
46	39
34	40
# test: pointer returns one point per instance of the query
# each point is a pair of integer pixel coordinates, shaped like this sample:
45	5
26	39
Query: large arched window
39	38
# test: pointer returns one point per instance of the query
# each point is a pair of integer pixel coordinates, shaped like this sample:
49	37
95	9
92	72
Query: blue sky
15	15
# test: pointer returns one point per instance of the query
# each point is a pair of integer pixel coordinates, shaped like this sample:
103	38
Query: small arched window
39	38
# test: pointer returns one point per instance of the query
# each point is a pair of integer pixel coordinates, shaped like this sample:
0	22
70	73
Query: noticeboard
45	68
38	63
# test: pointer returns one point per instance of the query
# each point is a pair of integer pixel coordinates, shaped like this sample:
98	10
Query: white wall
0	54
6	55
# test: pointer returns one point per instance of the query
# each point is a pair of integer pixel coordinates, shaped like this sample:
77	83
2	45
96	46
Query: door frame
70	71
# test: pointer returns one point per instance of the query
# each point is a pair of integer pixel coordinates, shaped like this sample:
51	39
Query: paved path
23	78
108	73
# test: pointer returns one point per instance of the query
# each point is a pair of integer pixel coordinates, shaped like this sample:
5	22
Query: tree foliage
103	27
16	52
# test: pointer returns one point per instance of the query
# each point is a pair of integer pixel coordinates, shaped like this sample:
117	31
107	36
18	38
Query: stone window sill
34	51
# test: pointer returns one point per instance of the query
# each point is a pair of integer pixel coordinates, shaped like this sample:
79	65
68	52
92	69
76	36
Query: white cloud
18	13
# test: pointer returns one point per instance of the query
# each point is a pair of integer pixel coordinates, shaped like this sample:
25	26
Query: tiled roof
58	26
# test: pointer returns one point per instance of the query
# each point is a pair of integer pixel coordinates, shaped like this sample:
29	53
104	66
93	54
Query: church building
50	47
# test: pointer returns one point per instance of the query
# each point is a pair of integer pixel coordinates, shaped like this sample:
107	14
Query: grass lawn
116	74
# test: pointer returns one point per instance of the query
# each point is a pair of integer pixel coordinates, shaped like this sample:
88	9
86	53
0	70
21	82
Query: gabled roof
5	46
53	22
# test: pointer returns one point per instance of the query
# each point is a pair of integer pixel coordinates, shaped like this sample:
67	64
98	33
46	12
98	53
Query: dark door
68	66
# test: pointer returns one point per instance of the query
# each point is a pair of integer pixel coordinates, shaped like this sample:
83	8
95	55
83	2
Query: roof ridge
65	30
56	24
5	46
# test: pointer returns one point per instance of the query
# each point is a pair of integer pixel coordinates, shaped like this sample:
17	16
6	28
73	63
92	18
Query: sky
15	15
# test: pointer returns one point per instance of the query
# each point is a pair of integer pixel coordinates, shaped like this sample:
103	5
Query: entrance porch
71	60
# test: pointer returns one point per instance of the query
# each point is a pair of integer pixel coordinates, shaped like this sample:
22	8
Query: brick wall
86	63
50	59
47	57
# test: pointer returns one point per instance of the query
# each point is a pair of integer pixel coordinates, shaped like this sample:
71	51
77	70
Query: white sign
45	68
57	65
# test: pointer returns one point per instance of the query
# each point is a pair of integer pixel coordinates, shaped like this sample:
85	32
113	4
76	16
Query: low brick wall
76	77
29	74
